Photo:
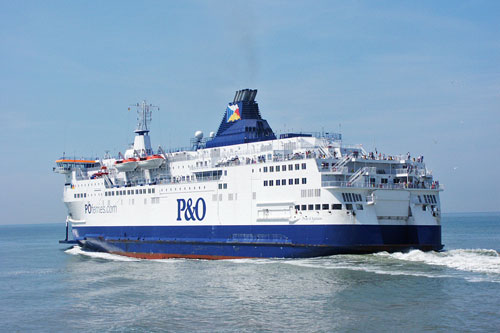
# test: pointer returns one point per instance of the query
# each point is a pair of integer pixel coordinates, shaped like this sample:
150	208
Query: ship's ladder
366	171
341	163
323	150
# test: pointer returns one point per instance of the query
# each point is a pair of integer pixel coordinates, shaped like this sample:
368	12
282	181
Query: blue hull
292	241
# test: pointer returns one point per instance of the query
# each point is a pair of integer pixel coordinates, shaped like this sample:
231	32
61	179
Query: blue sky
420	76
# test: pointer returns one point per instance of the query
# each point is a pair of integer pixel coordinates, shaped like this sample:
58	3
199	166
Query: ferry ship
243	192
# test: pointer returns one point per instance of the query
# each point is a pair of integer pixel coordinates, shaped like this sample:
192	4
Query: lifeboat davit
151	161
100	173
129	164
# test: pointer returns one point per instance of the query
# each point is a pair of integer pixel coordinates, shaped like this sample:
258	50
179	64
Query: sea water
45	286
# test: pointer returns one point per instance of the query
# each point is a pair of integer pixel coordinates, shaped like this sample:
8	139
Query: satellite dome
212	134
198	135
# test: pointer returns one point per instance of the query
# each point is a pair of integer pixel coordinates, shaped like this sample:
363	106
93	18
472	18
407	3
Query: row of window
428	198
80	195
129	192
230	197
352	197
283	167
223	186
309	193
282	182
328	207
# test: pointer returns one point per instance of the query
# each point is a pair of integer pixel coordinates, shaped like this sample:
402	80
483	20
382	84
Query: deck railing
344	184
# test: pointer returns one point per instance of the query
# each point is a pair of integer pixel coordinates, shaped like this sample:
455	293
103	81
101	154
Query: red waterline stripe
174	255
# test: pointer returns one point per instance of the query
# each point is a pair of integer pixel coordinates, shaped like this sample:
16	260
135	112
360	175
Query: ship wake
470	260
78	251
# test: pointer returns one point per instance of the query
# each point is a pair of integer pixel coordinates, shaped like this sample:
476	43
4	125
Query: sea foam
77	250
471	260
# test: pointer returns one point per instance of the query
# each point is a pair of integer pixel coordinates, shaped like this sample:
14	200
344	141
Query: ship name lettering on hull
190	212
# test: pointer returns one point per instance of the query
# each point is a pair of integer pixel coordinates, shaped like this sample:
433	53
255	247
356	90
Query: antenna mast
144	113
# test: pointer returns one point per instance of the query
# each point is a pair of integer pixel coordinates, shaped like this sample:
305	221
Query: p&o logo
191	212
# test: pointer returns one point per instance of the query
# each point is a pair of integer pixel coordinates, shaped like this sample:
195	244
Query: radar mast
144	116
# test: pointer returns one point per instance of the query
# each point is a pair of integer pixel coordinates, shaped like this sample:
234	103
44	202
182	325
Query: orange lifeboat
151	161
129	164
100	173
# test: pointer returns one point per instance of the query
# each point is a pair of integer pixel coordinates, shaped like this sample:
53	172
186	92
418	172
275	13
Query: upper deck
244	138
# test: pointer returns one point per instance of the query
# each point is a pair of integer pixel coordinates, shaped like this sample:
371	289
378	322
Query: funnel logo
233	113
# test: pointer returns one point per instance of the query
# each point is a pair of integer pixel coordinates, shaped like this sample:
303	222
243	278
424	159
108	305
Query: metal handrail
345	184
